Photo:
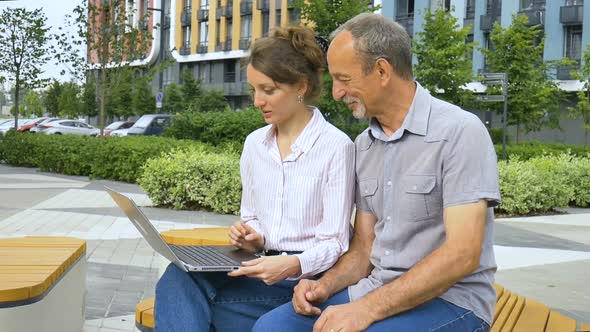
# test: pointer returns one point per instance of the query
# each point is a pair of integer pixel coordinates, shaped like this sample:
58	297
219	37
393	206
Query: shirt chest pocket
420	198
369	197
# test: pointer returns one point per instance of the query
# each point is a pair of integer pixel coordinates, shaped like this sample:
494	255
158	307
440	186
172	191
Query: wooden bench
514	313
42	284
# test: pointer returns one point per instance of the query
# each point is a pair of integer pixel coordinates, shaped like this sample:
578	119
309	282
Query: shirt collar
308	136
416	121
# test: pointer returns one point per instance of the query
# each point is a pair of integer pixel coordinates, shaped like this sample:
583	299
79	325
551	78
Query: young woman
298	189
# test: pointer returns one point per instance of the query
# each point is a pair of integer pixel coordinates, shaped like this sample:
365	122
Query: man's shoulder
448	120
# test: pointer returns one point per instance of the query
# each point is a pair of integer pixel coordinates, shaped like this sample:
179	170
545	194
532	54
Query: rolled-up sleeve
332	234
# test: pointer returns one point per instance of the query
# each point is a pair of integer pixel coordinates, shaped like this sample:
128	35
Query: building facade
566	27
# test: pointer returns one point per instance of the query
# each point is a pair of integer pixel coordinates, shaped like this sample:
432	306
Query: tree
89	104
533	98
143	99
582	108
51	100
324	16
69	101
443	66
23	49
173	99
114	46
33	105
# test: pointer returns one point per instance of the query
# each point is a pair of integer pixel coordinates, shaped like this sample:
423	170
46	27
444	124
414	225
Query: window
229	71
204	32
293	16
532	4
186	36
405	8
278	12
574	2
265	23
573	42
246	26
470	9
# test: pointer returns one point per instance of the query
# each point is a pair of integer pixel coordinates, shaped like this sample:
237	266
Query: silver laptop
188	258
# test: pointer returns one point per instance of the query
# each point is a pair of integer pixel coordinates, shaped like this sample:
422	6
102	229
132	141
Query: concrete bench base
62	308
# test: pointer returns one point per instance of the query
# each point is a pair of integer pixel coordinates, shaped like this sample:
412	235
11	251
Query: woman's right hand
245	237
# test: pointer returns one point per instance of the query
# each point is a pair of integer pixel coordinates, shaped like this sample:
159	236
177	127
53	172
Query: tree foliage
24	49
582	108
33	106
443	65
533	98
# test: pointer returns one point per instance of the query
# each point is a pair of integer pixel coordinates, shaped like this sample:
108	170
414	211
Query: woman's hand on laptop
270	269
245	237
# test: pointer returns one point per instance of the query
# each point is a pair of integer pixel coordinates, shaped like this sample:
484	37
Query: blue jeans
437	315
213	301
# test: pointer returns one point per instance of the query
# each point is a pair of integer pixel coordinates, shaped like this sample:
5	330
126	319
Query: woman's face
277	102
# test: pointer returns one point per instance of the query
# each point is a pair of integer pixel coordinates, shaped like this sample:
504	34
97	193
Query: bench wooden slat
514	315
143	306
560	323
584	327
147	318
500	303
533	317
206	236
504	313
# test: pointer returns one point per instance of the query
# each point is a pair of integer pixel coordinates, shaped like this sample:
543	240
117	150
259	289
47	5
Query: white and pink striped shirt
302	203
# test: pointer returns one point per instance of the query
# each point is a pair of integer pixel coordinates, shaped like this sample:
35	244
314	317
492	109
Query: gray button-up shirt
441	156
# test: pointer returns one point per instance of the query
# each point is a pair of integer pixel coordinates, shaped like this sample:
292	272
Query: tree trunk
102	101
517	132
16	96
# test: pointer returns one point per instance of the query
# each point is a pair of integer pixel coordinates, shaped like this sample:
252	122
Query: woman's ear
302	87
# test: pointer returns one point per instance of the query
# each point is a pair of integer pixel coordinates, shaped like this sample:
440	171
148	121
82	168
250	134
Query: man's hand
270	269
245	237
306	294
350	317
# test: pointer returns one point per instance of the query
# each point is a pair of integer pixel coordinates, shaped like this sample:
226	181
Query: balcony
486	22
218	13
571	15
226	46
246	7
407	21
468	22
228	11
218	47
536	16
202	48
564	73
185	17
185	49
203	14
244	43
263	5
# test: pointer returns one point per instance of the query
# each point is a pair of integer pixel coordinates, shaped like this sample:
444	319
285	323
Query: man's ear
384	70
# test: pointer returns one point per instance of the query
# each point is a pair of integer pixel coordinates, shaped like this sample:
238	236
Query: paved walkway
546	258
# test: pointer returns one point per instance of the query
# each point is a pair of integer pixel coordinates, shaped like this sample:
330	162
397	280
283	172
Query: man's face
351	84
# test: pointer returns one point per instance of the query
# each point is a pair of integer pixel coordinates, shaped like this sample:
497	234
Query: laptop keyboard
203	256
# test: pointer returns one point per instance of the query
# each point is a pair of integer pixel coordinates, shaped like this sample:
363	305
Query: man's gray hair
376	36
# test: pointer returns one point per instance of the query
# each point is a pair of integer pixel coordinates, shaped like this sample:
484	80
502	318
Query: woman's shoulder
257	135
335	135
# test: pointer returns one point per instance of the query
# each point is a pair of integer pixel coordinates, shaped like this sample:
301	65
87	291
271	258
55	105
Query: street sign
159	98
490	98
493	78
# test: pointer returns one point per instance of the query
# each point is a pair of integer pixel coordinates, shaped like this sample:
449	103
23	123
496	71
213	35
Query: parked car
7	125
150	124
30	124
46	121
72	127
117	126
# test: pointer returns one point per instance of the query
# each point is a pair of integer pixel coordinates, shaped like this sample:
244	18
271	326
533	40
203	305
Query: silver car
71	127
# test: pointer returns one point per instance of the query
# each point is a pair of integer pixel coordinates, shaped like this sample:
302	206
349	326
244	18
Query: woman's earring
300	99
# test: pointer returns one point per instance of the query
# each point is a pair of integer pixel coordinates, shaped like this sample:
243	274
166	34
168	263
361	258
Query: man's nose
337	91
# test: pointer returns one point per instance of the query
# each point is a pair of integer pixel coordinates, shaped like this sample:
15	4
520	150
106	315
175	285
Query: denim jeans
213	301
437	315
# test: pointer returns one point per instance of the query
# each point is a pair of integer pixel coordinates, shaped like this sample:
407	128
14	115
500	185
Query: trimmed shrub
541	184
528	150
194	179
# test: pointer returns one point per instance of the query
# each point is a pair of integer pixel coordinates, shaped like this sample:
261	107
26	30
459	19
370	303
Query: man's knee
284	318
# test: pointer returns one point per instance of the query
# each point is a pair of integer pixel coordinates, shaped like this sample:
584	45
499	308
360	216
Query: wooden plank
143	306
499	290
533	317
514	315
209	236
560	323
584	327
147	318
504	313
501	303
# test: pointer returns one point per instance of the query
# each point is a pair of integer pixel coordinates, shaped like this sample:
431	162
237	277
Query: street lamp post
160	59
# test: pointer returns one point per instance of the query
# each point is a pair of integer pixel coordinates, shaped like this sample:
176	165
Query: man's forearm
427	280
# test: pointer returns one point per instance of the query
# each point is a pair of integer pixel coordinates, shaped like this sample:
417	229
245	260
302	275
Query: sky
55	11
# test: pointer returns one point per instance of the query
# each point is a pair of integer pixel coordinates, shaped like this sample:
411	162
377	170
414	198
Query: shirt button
389	183
388	218
366	191
387	252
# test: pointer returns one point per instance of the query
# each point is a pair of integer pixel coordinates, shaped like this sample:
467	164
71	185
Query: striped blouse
304	202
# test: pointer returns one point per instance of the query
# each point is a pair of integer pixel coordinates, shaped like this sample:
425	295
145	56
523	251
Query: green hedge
194	179
528	150
114	158
541	184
